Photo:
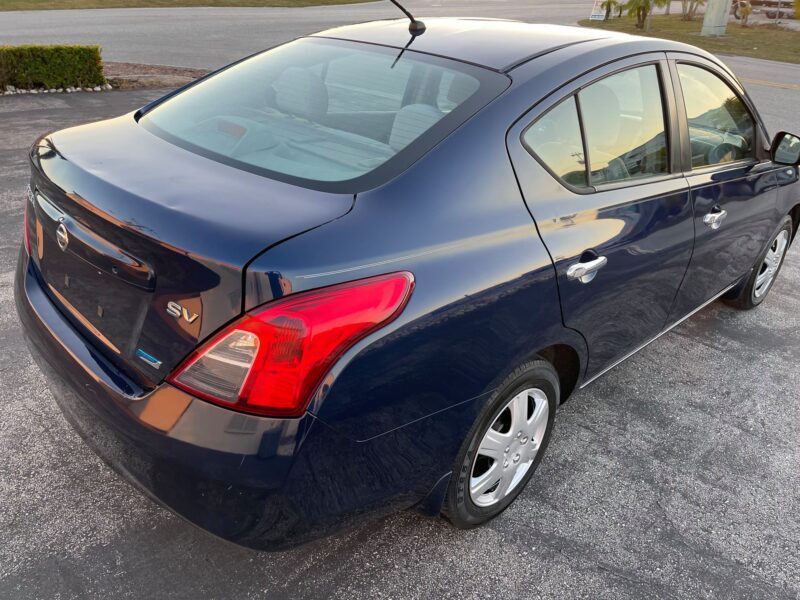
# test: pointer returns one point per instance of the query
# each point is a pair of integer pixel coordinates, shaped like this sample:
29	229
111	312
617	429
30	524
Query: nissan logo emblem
62	237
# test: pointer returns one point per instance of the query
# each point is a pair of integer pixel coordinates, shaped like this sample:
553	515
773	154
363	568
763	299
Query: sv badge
179	312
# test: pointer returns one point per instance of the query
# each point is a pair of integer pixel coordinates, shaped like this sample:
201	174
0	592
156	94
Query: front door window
720	126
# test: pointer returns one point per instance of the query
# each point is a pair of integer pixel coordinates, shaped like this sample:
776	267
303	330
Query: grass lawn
765	41
54	4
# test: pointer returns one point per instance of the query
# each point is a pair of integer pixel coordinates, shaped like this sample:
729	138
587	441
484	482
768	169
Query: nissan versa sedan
359	272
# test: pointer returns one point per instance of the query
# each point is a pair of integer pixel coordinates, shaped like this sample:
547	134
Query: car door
601	175
733	183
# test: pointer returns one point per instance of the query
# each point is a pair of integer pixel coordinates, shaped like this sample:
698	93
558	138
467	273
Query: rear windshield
325	114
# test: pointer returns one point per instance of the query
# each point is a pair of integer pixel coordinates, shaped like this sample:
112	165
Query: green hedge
35	66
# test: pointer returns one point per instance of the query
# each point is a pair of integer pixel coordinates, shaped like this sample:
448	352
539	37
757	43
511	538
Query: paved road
208	38
214	37
675	476
775	87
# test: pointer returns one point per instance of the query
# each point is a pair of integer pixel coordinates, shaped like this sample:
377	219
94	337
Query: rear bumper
261	482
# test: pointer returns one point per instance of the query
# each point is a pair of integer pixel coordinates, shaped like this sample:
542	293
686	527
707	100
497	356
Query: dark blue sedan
358	273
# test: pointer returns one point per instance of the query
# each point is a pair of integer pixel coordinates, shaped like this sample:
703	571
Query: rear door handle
715	218
586	271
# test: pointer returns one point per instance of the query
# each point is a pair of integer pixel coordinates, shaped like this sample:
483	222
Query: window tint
720	127
556	139
454	88
364	81
321	112
623	120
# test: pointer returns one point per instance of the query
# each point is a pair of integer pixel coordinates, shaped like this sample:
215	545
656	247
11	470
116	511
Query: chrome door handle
586	271
715	218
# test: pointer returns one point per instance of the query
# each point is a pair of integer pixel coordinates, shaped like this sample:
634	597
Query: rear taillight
271	361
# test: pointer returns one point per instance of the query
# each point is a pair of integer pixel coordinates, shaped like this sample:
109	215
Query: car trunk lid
143	245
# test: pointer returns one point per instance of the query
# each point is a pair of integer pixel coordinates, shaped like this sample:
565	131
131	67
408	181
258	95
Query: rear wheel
504	447
766	269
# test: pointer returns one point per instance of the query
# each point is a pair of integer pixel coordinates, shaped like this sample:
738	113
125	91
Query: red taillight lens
271	361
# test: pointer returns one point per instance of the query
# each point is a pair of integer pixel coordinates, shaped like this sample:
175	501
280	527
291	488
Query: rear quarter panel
485	297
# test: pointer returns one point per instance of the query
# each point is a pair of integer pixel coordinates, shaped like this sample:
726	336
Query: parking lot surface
208	38
674	476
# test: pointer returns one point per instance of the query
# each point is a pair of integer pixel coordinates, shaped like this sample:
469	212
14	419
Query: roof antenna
415	27
402	51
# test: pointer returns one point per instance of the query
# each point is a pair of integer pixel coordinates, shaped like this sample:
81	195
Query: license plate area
100	287
108	308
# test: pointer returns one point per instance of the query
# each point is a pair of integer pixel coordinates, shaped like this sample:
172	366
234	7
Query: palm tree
662	4
639	8
689	8
642	9
608	6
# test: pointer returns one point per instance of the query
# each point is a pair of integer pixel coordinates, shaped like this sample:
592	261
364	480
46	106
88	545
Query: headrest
301	93
410	122
601	112
461	88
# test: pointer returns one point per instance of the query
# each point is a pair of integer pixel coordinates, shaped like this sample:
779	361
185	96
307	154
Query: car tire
765	271
520	416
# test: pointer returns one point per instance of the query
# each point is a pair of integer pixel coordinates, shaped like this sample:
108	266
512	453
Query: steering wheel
724	152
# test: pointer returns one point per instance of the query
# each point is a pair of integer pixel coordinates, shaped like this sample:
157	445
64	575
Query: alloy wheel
771	264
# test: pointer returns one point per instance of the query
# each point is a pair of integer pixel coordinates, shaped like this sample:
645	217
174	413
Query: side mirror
785	149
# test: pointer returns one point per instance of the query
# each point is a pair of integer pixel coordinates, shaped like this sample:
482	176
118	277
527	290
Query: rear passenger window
623	119
556	139
721	129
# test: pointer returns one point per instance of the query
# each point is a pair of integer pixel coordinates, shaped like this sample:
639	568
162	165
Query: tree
689	8
640	9
609	6
694	5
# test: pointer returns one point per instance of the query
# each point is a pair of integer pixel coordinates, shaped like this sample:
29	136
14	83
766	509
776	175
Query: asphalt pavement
213	37
674	476
209	38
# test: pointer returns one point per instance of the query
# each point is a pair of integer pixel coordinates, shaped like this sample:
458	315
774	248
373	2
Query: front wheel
766	269
504	447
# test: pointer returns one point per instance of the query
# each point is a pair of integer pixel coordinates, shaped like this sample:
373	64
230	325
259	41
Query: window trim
574	188
628	183
671	128
759	130
587	160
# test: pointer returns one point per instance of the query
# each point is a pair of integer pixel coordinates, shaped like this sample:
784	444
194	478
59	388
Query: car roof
493	43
